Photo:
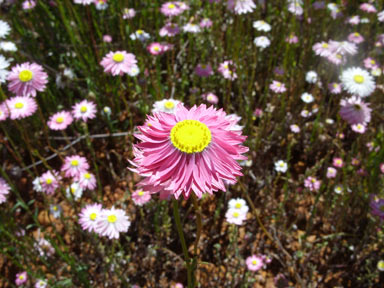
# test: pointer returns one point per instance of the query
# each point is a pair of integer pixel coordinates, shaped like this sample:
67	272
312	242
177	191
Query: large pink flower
191	150
25	79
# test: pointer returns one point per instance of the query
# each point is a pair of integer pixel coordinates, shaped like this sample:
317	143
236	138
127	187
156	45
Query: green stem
187	260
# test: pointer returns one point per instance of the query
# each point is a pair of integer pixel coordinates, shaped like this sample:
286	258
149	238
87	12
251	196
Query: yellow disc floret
74	162
140	193
93	216
171	6
59	120
25	75
19	105
169	105
83	109
358	79
190	136
238	205
118	57
111	218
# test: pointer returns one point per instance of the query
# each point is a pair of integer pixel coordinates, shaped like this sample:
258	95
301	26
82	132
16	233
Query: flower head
87	180
84	110
277	87
238	204
377	206
241	6
74	166
21	278
311	77
261	25
89	215
262	42
357	81
60	120
191	150
41	283
4	190
281	166
355	111
26	79
254	262
21	107
312	183
228	70
111	222
166	105
50	181
4	112
203	70
331	172
141	197
118	63
210	98
235	216
306	97
4	29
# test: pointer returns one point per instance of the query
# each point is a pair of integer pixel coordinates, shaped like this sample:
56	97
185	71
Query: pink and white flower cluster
105	222
237	211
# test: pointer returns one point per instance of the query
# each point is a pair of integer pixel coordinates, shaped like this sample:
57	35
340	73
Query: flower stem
187	260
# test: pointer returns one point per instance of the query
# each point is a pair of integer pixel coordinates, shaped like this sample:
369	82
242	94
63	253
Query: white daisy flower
75	190
4	29
338	189
111	222
311	77
191	28
261	25
165	105
134	71
358	81
4	64
307	98
37	185
281	166
262	42
8	46
140	35
238	204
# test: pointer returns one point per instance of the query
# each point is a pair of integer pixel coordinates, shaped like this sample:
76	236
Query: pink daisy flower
171	9
25	79
107	38
4	190
74	166
343	48
88	217
50	182
355	38
241	6
60	120
354	20
111	222
21	278
292	39
335	88
129	13
235	216
21	107
87	181
170	30
227	69
203	70
155	48
277	87
210	98
338	162
4	112
141	197
254	263
370	63
205	23
118	63
312	183
367	7
191	150
84	110
359	128
294	128
355	111
29	4
331	172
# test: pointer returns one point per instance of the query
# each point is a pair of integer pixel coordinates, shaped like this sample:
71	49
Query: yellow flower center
278	84
139	32
156	48
339	56
54	208
236	214
25	75
171	6
238	205
325	45
21	277
75	163
210	98
254	262
358	79
313	180
19	105
203	66
59	120
281	165
373	62
169	105
48	181
83	109
73	190
93	216
356	34
190	136
111	218
335	85
380	265
140	193
118	57
87	176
